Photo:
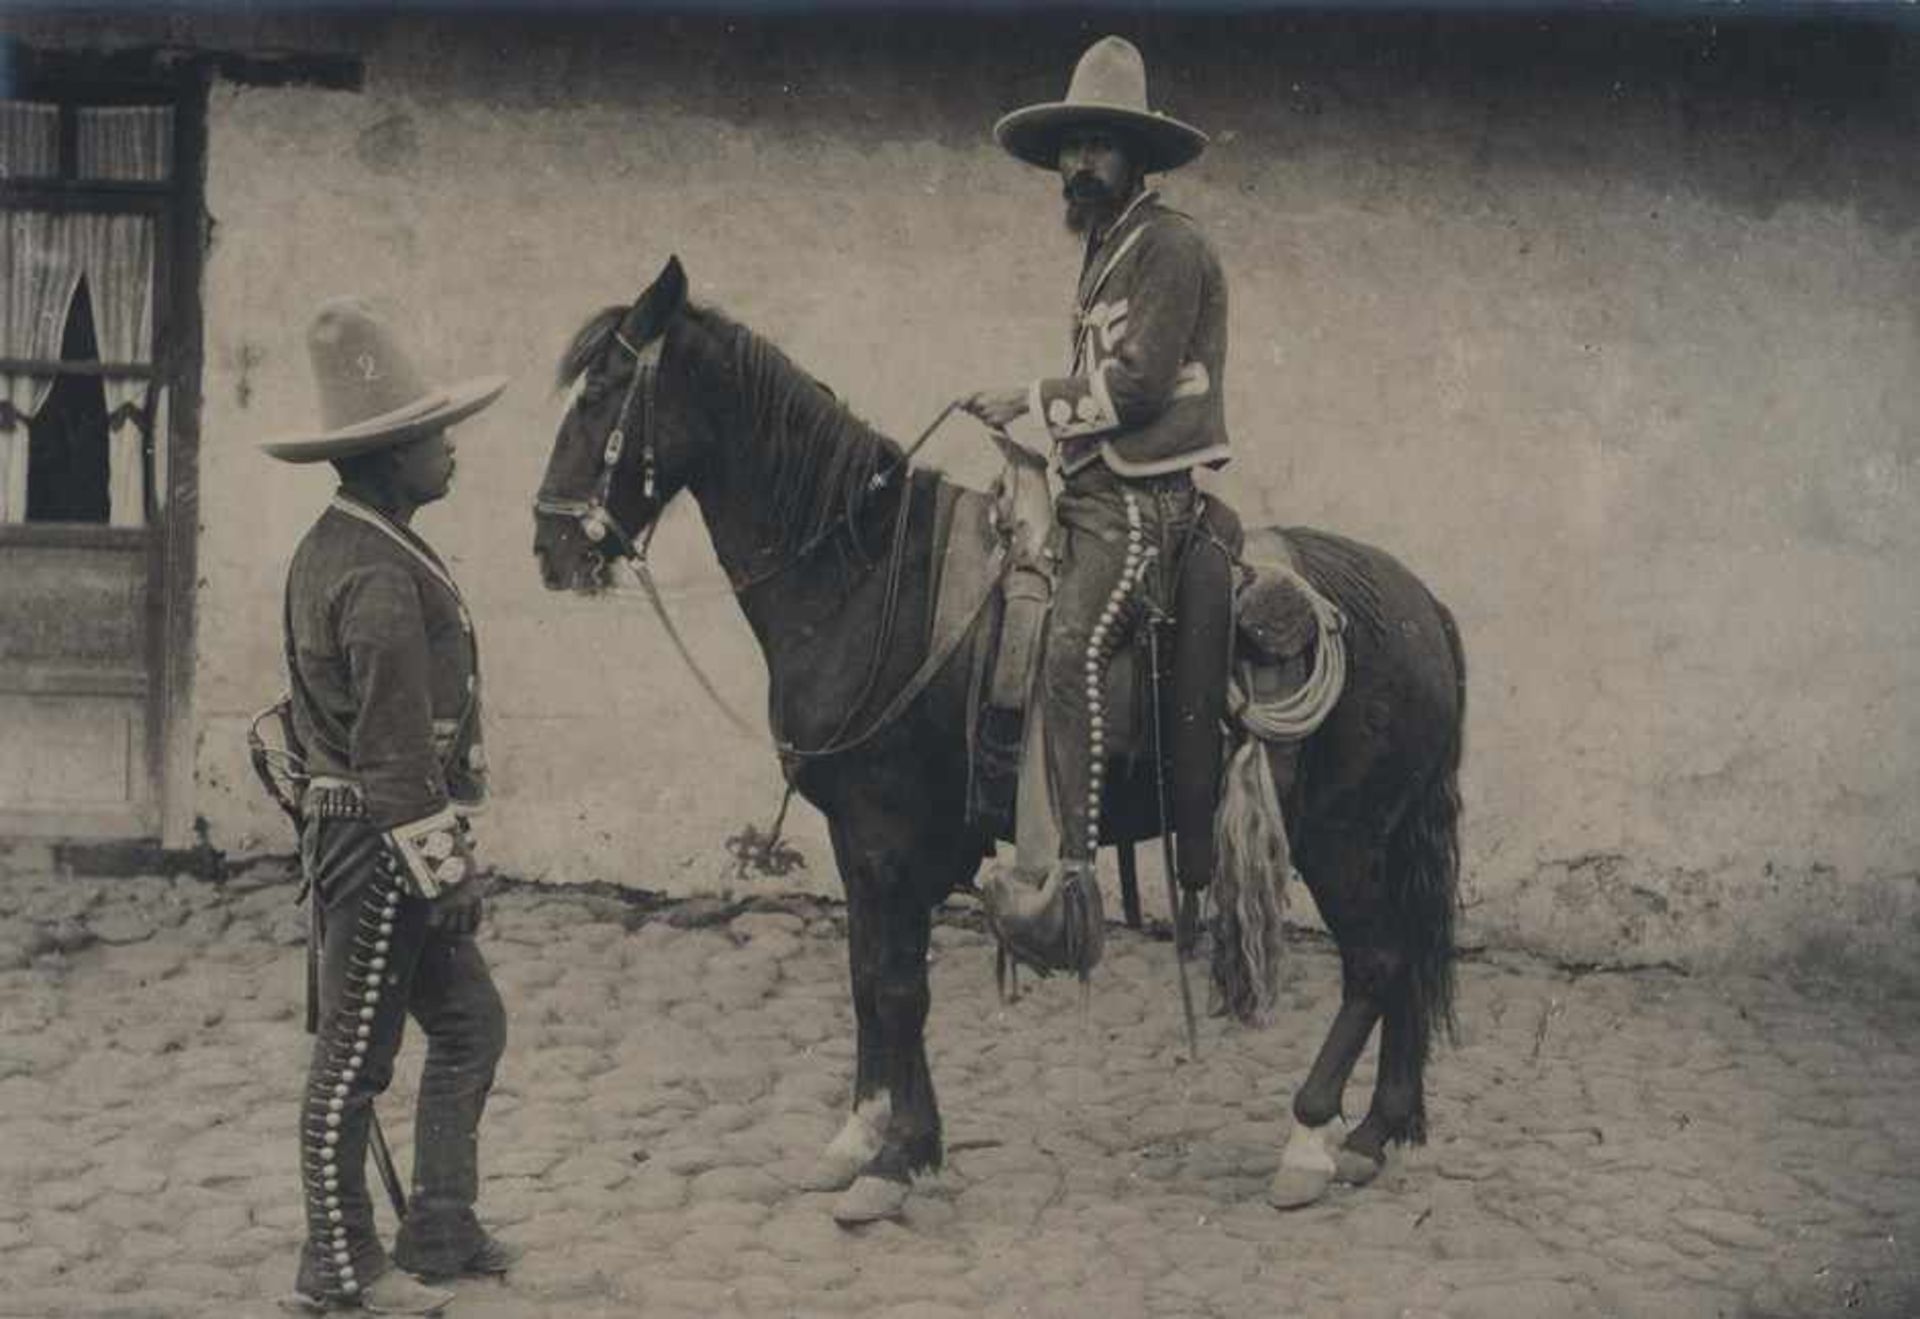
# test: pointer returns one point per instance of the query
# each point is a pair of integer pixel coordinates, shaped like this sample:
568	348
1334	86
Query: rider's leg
1093	612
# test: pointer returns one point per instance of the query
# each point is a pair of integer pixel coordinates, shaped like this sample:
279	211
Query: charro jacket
1145	392
384	672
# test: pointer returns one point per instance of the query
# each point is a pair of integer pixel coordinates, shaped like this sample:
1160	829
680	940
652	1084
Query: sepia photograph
869	660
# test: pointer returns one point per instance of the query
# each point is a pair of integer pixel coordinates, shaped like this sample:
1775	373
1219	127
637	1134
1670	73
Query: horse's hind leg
1346	875
1398	1110
1423	862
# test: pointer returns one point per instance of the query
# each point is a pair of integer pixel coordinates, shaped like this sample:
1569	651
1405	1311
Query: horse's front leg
860	1136
893	1129
910	1140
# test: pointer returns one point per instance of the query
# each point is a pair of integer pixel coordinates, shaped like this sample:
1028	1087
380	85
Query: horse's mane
816	458
813	455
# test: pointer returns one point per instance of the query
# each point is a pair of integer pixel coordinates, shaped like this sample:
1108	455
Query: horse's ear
659	304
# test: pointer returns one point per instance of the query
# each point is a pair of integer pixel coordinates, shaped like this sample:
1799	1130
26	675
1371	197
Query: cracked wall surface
1608	331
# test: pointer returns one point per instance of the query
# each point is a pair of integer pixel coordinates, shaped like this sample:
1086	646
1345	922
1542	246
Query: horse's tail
1251	865
1423	859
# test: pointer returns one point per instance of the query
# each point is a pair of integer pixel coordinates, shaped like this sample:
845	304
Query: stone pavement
1640	1143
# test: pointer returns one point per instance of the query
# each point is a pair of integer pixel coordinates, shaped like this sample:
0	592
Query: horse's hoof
1352	1168
1308	1164
852	1149
869	1200
832	1172
1296	1188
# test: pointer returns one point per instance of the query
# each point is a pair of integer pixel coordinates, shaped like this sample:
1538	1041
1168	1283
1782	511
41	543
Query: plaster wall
1618	353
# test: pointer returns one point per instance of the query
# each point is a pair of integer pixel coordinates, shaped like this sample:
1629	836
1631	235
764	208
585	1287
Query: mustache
1090	202
1086	188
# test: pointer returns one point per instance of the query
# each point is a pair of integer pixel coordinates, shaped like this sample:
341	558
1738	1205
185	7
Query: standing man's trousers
378	963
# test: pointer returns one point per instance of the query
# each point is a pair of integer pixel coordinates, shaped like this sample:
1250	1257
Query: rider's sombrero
1108	90
371	394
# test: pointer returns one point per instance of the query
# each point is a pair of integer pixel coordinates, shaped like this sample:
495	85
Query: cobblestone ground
1634	1144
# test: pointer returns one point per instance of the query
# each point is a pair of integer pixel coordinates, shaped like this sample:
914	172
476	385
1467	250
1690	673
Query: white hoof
869	1200
853	1148
1296	1188
1307	1165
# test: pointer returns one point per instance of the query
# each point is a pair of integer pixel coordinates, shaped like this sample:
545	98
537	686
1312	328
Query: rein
599	525
875	484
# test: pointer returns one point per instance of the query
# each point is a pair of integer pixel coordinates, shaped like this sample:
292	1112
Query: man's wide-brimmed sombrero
1108	90
371	394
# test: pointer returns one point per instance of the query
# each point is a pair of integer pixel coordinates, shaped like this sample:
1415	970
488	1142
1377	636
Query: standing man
385	708
1139	408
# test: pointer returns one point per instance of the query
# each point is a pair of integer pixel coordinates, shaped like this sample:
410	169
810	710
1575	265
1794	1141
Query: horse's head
628	443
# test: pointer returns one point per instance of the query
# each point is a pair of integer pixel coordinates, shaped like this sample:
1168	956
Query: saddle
992	591
995	544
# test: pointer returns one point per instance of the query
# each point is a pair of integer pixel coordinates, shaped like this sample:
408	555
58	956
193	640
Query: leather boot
393	1292
1052	922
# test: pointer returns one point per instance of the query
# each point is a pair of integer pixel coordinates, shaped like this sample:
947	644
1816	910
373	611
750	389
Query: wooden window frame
178	208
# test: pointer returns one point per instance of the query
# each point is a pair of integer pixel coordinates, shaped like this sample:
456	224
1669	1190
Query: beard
1090	204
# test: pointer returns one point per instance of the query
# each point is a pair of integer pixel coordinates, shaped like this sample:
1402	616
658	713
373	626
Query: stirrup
1048	923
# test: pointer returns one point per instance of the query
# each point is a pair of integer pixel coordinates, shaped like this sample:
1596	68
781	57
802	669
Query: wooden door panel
68	750
74	686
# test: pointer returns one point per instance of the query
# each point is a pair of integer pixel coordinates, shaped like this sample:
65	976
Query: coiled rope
1299	713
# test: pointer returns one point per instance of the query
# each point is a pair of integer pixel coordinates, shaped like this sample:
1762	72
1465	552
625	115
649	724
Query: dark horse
828	544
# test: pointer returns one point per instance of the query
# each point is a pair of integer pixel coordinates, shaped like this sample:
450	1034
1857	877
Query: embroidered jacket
1149	351
384	671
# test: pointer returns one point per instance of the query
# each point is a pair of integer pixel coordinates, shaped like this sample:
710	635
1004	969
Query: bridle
598	524
596	519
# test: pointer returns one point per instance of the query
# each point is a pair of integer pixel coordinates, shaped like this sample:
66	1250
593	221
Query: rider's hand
997	407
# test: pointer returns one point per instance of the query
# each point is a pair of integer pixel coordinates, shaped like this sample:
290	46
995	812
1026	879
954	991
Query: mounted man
1141	406
877	716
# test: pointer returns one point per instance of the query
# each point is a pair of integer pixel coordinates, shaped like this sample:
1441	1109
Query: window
84	196
68	470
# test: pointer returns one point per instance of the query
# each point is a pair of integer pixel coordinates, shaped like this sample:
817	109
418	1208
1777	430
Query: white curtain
117	252
42	261
35	294
29	140
126	143
43	267
45	257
